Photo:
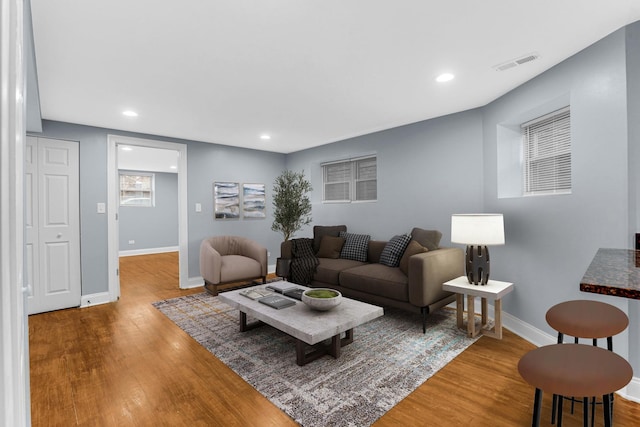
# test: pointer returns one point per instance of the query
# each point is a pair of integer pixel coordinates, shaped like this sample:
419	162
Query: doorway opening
114	166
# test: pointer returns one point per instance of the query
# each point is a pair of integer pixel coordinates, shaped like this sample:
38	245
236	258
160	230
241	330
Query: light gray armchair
228	259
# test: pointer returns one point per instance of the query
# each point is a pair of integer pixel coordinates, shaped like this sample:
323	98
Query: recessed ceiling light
173	167
265	137
445	77
125	148
130	113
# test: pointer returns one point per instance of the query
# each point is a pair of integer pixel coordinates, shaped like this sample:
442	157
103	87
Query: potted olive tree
291	209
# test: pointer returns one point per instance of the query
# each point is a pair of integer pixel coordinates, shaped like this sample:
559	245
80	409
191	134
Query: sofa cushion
377	279
330	247
328	270
413	248
394	249
355	246
323	230
430	239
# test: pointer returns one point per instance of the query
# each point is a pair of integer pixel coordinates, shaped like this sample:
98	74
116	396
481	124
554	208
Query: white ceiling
305	72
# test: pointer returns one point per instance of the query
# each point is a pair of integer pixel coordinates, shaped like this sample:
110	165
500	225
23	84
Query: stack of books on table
256	294
287	289
270	297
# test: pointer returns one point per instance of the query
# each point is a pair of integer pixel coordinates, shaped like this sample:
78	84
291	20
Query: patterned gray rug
388	359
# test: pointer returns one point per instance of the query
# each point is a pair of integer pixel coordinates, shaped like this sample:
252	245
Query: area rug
388	359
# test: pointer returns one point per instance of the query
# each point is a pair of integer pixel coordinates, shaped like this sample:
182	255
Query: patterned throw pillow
394	249
355	246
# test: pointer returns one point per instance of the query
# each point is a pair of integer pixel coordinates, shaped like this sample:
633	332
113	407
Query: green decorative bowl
322	299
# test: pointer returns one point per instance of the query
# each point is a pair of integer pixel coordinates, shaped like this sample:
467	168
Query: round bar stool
586	319
574	370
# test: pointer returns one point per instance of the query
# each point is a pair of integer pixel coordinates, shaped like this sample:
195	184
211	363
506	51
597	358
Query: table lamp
477	231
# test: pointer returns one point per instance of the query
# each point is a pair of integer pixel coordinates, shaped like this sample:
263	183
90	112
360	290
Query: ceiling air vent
516	62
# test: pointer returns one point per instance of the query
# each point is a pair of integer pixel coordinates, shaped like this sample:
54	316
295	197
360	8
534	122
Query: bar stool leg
585	412
555	396
560	404
606	402
537	404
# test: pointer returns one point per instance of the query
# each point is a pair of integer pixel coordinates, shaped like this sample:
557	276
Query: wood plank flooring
126	364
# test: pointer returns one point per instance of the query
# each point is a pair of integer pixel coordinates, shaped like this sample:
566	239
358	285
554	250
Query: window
350	180
547	154
137	190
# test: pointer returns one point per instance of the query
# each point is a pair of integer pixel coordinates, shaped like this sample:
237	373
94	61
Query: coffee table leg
244	326
333	349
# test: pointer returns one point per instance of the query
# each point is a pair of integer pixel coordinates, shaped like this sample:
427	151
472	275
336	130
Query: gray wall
426	172
155	226
551	240
206	163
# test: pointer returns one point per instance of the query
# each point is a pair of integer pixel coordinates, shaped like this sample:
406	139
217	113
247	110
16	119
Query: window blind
350	180
337	179
547	153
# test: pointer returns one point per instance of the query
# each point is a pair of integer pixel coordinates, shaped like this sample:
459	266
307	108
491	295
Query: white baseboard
632	390
94	299
149	251
194	282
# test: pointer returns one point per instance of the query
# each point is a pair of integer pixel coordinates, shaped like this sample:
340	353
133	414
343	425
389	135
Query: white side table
493	290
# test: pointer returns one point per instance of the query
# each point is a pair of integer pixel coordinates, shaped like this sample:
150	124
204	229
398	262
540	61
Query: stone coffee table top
302	322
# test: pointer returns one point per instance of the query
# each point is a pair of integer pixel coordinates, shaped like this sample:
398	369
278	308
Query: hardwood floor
126	364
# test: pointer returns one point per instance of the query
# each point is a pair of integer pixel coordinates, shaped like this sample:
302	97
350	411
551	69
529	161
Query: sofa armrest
286	249
429	270
210	262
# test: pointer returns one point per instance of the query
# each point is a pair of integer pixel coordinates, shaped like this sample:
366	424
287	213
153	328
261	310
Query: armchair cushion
225	259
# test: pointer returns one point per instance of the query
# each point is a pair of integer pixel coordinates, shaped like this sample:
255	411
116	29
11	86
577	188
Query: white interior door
52	224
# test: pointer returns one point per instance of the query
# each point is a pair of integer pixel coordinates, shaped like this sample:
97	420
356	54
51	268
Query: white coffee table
307	326
494	290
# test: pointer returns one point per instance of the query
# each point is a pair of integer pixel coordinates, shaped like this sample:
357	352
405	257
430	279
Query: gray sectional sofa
414	284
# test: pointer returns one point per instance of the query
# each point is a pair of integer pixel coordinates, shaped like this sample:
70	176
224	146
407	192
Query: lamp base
477	263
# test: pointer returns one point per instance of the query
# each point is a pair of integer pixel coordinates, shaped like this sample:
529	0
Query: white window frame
147	196
546	146
349	180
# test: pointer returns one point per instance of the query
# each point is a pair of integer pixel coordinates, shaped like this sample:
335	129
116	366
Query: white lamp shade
477	229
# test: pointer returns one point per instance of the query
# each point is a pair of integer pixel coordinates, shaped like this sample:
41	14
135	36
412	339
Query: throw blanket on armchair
304	261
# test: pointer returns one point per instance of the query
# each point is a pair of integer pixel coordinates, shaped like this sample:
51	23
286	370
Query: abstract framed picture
226	197
253	201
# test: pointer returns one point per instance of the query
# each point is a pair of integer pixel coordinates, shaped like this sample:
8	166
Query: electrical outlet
268	253
132	242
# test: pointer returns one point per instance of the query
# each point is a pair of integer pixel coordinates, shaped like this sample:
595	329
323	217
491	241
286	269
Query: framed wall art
253	201
226	197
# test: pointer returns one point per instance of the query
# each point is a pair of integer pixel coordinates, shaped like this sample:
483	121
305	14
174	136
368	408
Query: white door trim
112	193
14	350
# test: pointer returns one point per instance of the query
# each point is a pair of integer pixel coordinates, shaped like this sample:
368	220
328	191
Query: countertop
613	272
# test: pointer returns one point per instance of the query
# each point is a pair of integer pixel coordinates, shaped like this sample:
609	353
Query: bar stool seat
587	319
574	370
